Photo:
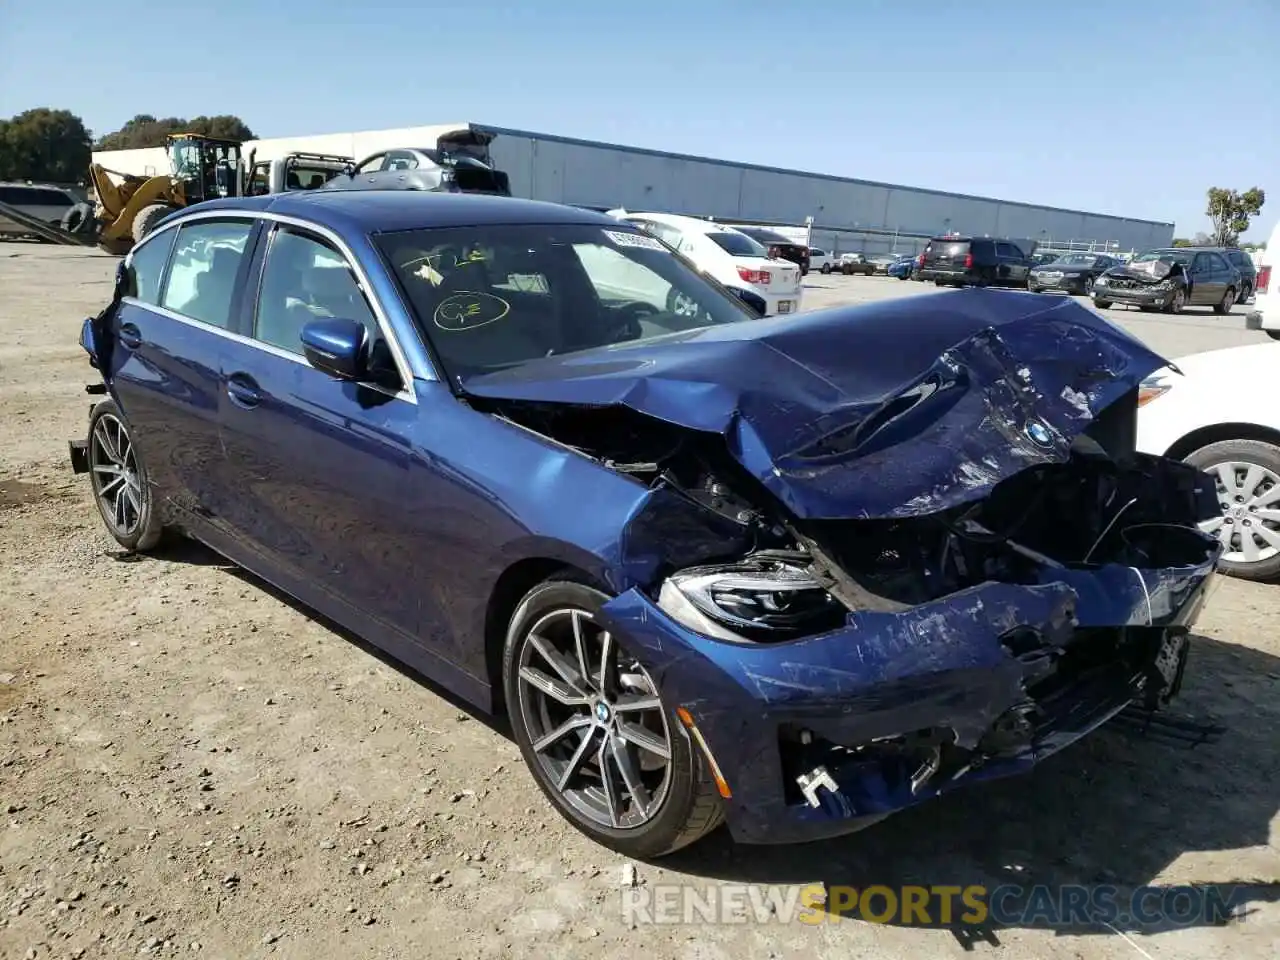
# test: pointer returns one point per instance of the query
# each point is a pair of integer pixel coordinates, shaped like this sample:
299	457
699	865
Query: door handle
130	335
243	390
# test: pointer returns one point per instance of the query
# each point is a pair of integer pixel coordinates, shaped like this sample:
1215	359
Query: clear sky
1130	107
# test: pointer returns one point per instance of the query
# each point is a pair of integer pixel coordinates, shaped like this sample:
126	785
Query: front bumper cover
947	665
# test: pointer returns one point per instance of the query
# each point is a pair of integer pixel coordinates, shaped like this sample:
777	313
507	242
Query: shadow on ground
1111	813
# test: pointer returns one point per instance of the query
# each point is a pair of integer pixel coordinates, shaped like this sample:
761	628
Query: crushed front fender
896	708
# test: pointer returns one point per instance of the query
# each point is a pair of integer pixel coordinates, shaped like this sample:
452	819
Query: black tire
689	809
147	218
1102	304
826	268
1228	301
79	219
1246	291
1176	302
1252	452
136	523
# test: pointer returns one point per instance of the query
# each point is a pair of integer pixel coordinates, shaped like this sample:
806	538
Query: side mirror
336	347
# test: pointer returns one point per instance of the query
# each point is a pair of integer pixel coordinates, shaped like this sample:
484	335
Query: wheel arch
512	585
1217	433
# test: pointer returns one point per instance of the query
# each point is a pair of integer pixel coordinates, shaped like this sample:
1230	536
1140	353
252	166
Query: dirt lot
191	765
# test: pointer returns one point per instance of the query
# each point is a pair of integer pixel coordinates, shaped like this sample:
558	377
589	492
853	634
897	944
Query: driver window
305	279
372	165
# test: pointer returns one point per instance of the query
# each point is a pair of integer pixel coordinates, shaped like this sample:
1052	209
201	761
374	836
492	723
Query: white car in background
1217	416
1265	314
771	286
821	260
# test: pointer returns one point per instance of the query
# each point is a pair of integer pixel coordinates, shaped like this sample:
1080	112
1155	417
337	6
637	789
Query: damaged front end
1146	283
942	583
880	663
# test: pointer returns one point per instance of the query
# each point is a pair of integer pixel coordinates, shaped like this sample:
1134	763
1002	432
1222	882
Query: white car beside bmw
772	286
1217	417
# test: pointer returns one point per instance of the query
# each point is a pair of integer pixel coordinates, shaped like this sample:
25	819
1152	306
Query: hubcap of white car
114	470
595	721
1249	528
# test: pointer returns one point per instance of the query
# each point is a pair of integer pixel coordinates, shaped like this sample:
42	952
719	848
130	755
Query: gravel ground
192	765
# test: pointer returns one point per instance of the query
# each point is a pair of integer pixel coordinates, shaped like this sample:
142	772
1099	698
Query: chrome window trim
403	366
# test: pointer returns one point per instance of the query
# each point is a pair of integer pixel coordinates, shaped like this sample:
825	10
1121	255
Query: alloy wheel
1228	300
1088	286
594	720
1249	528
1177	301
113	467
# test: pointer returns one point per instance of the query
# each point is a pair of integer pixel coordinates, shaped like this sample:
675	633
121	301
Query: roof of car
384	211
690	223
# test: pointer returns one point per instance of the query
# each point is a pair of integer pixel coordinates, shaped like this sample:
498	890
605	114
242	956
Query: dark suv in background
975	261
779	246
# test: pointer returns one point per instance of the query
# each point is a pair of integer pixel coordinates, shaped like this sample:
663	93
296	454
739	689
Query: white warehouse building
847	214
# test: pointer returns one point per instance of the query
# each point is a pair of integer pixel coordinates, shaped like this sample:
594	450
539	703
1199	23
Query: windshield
1169	256
738	245
1078	259
498	296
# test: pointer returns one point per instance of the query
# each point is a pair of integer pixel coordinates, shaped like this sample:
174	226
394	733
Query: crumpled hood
890	409
1148	271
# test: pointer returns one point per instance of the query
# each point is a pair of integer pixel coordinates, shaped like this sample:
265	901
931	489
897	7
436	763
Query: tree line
54	146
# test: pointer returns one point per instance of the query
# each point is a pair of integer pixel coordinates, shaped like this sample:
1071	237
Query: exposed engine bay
1105	505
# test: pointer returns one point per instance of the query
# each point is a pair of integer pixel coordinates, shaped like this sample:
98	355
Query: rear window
947	248
738	245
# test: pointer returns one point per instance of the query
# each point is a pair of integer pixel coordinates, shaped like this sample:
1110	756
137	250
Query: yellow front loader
129	206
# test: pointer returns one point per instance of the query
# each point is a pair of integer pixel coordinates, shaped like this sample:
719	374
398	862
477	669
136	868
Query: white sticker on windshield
634	240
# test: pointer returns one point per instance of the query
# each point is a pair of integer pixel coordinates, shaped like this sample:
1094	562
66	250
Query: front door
333	502
168	337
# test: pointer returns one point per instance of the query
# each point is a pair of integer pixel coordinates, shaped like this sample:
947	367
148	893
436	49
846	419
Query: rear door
169	337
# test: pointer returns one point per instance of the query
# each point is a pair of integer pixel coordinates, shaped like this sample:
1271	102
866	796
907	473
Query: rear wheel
1246	291
146	219
826	268
120	487
602	746
1226	303
1248	483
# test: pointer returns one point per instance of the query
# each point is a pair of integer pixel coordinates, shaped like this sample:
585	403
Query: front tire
146	219
1248	484
826	268
121	489
602	746
1102	304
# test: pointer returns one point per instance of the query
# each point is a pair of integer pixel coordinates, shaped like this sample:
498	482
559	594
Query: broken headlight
757	600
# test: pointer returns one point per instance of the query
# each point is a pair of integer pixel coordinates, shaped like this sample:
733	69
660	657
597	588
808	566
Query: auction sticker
634	240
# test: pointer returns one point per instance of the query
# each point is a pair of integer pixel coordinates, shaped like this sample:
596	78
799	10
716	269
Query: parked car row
1166	279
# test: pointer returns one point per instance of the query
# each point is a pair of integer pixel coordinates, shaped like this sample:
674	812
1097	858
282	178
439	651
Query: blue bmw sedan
790	573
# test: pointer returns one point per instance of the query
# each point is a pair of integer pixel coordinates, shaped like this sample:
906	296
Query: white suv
49	204
728	256
1265	314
